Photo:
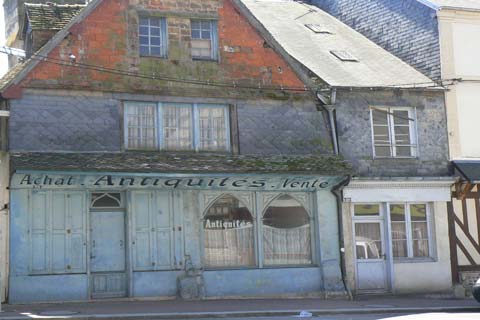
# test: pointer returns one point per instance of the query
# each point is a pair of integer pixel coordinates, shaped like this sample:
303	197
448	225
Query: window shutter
214	25
152	230
58	231
75	233
143	242
38	232
162	222
58	227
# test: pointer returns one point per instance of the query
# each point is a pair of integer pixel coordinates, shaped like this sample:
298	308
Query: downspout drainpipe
337	191
330	108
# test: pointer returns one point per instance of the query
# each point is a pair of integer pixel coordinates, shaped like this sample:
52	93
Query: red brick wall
108	38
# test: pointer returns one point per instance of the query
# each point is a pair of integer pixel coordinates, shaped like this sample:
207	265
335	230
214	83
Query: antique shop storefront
80	236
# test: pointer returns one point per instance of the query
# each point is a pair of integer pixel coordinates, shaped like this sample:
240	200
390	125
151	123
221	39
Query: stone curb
246	314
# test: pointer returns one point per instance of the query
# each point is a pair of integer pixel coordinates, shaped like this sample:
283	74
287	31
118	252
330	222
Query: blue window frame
204	41
152	33
176	126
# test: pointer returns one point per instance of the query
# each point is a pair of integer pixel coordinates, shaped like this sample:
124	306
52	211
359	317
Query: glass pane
212	128
400	117
201	48
399	248
419	230
141	126
228	231
380	117
402	135
143	21
155	22
143	31
206	34
155	51
155	32
177	126
144	50
381	151
143	40
367	210
418	212
286	233
404	151
106	200
368	237
195	34
397	212
420	248
195	24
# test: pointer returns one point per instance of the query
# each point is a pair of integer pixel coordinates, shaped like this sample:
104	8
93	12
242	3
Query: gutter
337	191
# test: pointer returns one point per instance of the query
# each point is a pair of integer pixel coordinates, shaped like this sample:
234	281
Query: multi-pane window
204	39
394	132
177	126
410	230
152	34
234	236
286	233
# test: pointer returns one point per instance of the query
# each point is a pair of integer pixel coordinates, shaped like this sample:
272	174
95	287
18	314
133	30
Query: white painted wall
432	276
460	58
410	276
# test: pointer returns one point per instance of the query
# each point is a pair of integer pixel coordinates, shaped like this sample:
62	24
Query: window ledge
414	260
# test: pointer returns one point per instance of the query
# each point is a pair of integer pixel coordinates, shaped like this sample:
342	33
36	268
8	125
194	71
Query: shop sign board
172	182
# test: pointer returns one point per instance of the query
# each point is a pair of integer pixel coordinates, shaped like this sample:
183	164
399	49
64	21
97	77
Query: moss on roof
147	162
50	16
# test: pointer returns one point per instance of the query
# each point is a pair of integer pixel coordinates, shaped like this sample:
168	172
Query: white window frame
412	114
195	125
408	226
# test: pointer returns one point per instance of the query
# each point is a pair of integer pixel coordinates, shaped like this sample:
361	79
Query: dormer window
152	33
204	41
318	28
344	55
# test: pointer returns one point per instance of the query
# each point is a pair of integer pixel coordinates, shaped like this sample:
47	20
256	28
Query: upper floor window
394	132
152	34
204	39
177	126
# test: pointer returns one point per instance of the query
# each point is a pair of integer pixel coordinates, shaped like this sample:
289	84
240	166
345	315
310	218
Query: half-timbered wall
464	227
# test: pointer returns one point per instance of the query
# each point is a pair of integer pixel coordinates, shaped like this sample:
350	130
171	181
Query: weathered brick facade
108	38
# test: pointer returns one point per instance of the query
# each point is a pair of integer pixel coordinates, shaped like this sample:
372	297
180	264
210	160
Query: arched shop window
286	233
228	234
102	200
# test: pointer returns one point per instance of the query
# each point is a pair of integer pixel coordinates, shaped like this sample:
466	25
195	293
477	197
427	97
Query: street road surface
392	316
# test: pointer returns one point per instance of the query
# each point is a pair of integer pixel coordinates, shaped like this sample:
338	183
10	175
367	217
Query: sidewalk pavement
128	309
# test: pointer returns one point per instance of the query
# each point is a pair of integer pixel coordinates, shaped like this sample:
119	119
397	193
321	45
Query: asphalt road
392	316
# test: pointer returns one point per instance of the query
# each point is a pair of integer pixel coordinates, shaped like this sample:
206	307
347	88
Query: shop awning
158	162
468	169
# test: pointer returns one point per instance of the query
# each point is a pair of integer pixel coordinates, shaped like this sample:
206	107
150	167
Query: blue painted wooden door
108	242
107	254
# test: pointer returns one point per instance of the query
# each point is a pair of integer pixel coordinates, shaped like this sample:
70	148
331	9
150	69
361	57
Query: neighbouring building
440	39
391	125
190	148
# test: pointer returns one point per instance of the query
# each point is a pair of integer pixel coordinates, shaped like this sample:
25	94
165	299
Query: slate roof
453	4
50	16
10	75
156	162
285	20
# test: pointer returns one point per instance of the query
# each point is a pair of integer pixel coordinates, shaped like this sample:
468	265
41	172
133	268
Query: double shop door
146	228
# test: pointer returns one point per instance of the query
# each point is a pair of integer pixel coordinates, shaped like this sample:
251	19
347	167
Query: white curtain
229	247
287	246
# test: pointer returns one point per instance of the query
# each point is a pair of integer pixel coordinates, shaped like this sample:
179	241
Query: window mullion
408	224
196	127
159	120
391	128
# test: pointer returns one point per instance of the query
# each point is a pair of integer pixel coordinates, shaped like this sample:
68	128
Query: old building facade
188	148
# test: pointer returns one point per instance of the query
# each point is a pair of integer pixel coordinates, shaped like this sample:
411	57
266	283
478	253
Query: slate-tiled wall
94	123
406	28
355	135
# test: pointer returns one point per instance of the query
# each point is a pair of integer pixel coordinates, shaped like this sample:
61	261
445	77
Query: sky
3	57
